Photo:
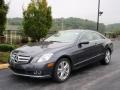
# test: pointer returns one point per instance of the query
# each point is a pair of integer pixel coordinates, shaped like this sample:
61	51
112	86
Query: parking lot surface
92	77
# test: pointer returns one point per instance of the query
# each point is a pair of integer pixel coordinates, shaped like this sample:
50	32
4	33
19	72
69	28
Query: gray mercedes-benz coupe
61	53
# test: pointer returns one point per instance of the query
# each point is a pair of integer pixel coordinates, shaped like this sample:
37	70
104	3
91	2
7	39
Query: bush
24	40
4	56
6	47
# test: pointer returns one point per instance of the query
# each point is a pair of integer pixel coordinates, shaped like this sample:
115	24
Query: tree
37	19
3	13
76	23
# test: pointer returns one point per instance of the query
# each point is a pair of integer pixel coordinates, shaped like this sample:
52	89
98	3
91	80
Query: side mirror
81	43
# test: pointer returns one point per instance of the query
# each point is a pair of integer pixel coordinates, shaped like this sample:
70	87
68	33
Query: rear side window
90	36
97	36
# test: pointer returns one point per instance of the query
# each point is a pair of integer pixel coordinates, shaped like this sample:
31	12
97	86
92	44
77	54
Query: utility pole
99	14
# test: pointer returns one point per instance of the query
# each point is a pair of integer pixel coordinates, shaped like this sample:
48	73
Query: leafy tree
76	23
113	27
37	19
3	12
71	23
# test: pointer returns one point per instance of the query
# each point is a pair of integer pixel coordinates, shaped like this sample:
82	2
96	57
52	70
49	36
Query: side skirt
88	61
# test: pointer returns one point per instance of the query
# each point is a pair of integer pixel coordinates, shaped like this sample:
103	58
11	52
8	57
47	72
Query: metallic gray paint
79	56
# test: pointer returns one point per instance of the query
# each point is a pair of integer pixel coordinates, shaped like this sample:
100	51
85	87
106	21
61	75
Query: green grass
4	56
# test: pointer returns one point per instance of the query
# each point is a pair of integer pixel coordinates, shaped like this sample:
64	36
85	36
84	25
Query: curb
3	66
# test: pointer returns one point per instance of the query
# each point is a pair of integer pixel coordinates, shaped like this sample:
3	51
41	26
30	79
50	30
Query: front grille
22	58
17	58
26	72
20	71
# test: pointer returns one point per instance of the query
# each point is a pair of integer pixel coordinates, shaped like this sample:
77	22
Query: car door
99	43
86	51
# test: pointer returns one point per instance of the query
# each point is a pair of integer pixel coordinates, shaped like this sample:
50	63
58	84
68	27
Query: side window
86	37
90	36
96	36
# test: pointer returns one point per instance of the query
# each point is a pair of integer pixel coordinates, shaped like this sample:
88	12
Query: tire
62	70
107	58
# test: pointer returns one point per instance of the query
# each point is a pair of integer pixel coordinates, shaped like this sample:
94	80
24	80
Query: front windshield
64	36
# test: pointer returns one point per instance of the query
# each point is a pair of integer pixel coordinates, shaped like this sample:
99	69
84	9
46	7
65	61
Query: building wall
12	36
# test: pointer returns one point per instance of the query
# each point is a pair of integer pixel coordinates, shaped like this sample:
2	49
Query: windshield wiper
54	41
57	41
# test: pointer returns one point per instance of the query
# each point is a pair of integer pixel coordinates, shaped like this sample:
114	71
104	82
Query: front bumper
34	70
32	76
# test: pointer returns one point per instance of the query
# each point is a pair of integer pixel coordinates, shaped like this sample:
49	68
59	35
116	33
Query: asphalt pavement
92	77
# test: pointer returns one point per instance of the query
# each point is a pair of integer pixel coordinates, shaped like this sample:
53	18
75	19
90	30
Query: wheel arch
67	57
108	48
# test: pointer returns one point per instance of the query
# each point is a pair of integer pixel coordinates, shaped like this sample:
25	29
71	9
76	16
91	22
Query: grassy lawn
4	56
5	52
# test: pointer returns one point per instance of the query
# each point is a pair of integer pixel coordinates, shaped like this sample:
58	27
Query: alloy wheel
108	57
63	70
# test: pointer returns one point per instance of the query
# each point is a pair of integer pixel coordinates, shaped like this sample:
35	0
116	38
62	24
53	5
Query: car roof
80	30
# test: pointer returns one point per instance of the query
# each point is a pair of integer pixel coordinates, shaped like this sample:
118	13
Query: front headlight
11	56
11	53
45	57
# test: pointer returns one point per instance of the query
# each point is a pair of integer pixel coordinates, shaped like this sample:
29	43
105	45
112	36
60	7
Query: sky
86	9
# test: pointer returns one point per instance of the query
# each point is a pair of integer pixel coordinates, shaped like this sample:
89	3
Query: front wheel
62	70
107	58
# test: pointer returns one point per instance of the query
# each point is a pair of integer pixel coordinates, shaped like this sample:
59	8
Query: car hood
41	48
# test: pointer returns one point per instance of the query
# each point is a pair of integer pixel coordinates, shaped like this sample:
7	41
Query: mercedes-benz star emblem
16	59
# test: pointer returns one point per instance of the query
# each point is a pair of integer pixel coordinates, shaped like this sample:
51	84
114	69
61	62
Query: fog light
37	72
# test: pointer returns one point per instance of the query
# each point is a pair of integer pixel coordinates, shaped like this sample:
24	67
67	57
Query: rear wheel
62	70
107	58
